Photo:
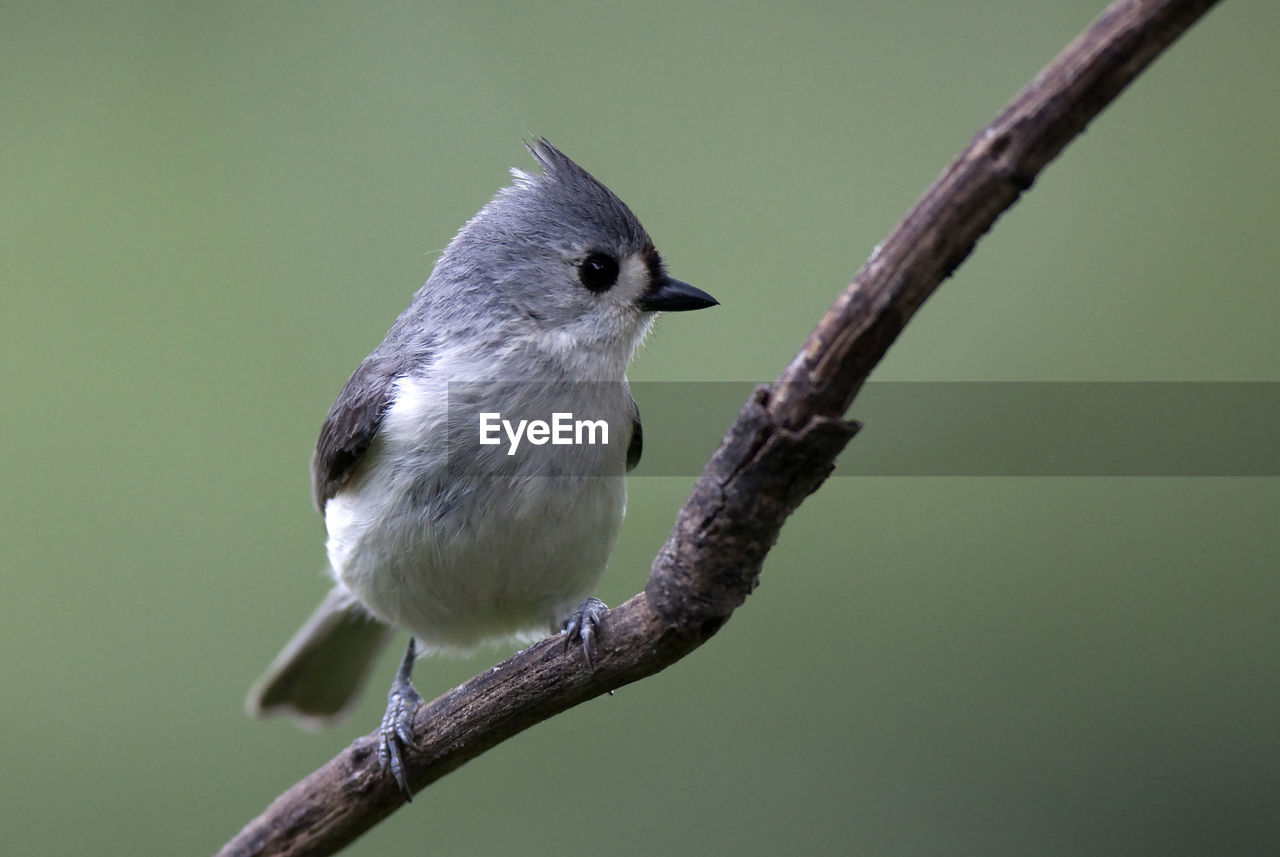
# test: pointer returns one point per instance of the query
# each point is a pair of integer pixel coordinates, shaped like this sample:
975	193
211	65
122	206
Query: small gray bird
439	521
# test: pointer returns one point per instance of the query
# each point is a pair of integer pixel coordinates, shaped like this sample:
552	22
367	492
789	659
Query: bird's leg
584	624
397	724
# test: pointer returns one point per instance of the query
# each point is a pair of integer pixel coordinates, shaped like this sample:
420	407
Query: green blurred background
211	212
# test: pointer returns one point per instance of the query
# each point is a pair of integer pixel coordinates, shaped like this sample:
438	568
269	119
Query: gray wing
351	425
636	445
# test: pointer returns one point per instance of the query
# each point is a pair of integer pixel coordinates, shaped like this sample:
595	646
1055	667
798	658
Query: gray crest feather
567	197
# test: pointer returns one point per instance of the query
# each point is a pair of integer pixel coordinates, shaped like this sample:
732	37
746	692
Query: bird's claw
396	733
584	624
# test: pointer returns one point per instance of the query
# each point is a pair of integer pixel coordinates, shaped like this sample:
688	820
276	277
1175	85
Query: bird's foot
396	730
584	624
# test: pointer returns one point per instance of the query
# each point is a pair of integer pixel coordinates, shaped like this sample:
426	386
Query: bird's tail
321	671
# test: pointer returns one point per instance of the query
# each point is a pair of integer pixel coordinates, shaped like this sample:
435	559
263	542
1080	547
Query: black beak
668	295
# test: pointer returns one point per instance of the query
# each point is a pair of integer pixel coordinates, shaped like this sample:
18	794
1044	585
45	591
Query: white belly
513	568
463	559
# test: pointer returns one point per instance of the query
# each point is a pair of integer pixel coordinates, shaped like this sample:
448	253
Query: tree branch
781	447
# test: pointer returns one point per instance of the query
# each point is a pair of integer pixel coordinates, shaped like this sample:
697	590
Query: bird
438	519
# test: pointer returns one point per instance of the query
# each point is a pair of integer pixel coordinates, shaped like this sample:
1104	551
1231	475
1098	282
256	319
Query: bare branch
780	449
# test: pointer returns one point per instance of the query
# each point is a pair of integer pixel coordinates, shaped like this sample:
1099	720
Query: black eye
598	272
